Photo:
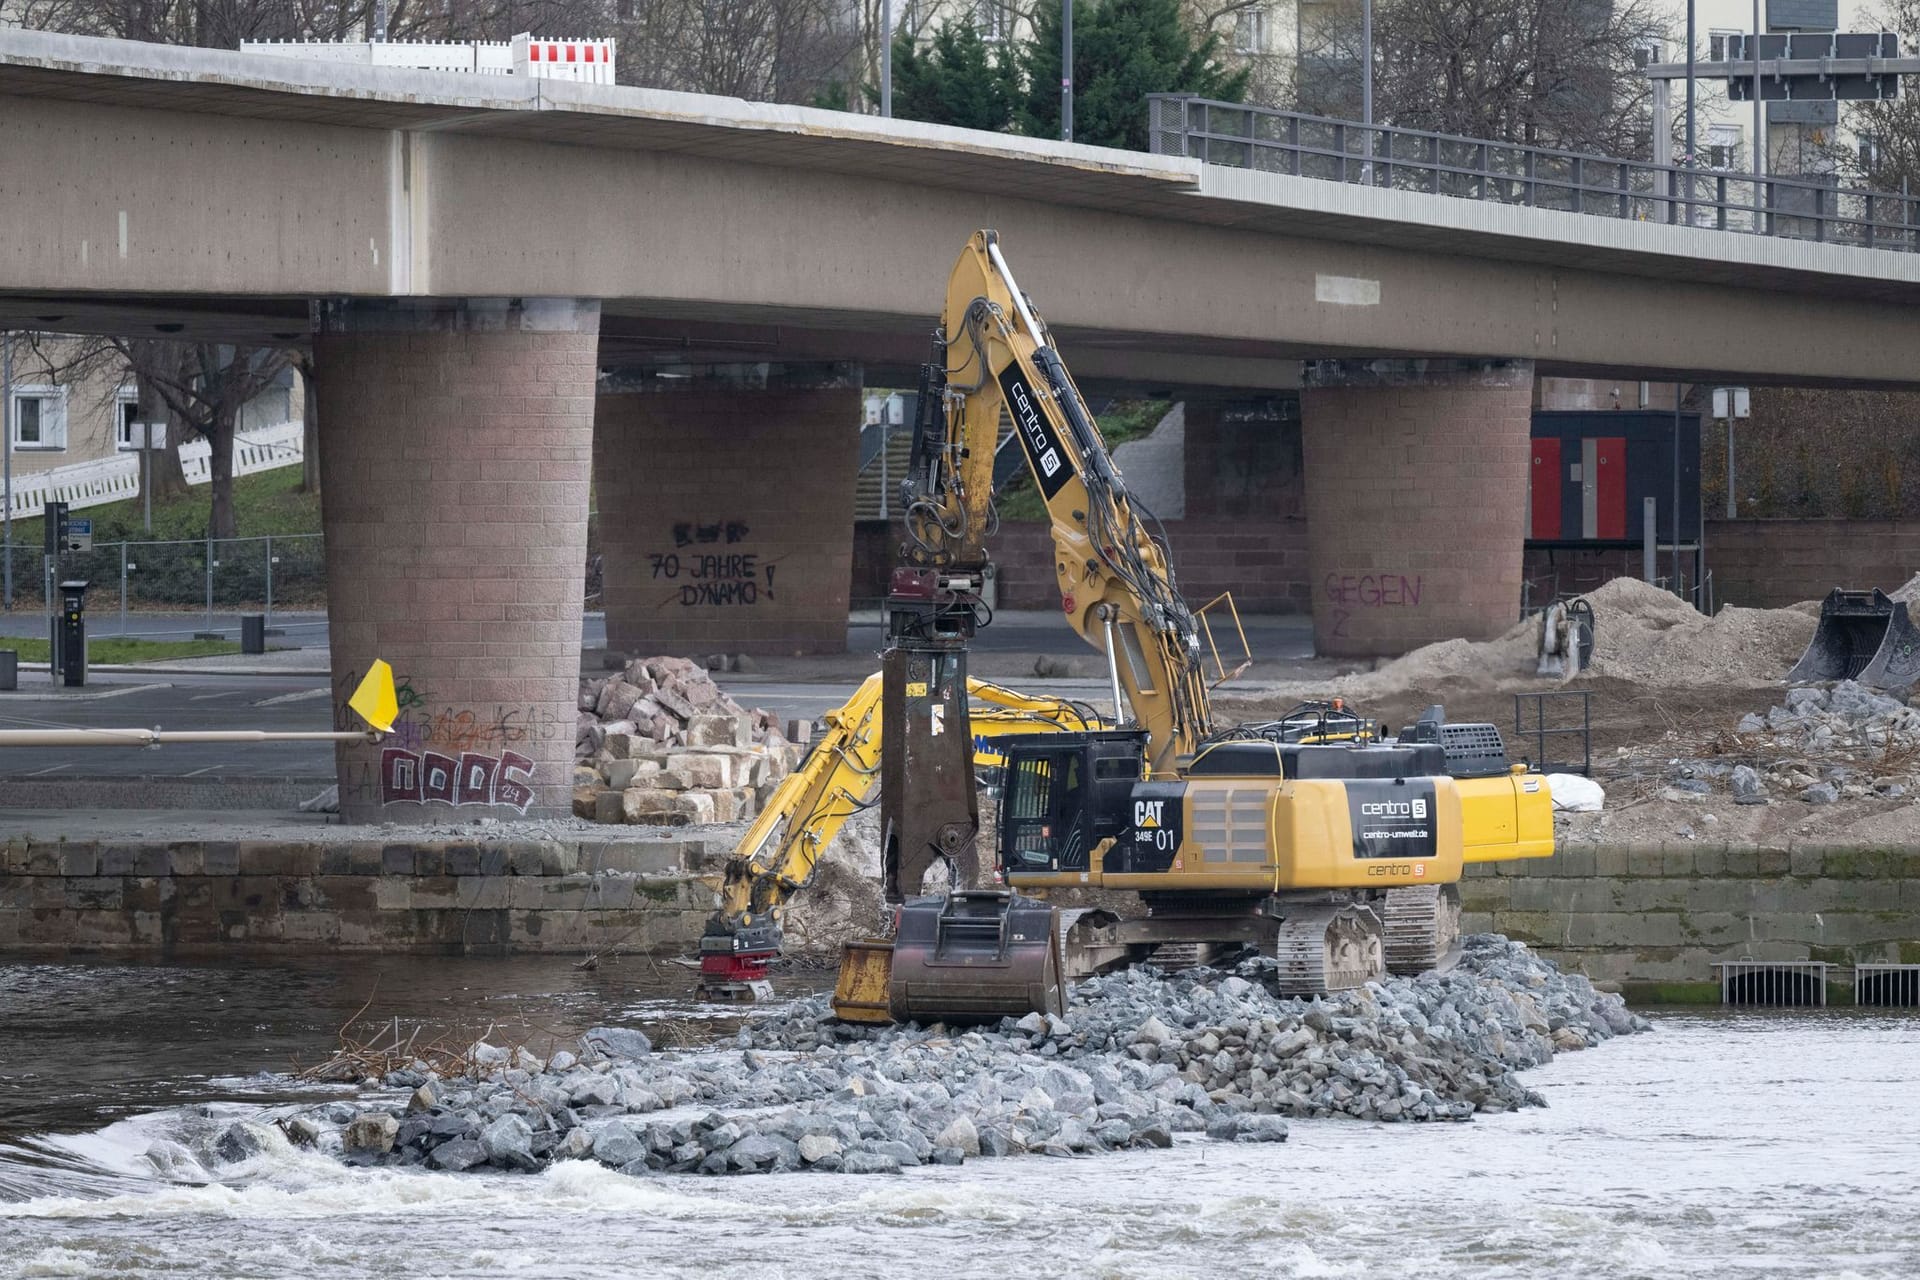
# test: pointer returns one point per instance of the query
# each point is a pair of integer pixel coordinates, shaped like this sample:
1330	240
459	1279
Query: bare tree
1268	59
1884	150
1555	73
309	424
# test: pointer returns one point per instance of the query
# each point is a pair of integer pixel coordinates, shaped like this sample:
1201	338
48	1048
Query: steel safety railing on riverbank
1286	142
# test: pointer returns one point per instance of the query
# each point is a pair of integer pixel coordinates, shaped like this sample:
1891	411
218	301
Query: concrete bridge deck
221	191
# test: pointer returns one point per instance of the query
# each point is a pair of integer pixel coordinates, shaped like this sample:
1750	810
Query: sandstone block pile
659	744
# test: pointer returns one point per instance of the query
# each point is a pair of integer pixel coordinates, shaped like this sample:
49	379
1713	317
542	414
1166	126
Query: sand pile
1645	635
1651	637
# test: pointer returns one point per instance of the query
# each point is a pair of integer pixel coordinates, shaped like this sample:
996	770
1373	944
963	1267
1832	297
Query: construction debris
659	744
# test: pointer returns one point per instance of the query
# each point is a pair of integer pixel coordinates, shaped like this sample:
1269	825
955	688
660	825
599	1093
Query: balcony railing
1271	141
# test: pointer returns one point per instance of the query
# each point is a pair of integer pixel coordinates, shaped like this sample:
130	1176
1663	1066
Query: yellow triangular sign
375	701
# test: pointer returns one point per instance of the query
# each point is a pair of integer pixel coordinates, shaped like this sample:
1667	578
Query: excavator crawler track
1422	925
1332	947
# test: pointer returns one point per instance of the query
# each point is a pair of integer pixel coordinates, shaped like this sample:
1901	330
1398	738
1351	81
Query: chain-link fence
151	586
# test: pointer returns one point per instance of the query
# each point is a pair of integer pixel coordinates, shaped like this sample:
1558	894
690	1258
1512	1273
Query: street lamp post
1066	70
1759	115
6	429
1366	68
886	58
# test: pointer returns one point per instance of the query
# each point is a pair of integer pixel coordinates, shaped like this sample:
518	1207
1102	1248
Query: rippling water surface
1736	1146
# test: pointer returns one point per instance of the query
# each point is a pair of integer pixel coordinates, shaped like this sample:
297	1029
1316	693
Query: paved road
285	701
1030	631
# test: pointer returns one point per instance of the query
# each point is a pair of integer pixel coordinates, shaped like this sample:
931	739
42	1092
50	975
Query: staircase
873	480
876	481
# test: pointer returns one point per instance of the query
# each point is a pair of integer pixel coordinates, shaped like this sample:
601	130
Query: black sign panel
1391	819
1045	454
1156	823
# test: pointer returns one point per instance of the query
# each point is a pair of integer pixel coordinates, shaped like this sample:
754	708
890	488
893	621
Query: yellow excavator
776	858
1316	839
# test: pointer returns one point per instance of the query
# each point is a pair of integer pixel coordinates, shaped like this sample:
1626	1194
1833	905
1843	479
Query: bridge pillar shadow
456	441
725	498
1416	500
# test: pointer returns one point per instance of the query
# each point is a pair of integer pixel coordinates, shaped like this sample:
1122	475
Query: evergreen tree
1123	50
959	79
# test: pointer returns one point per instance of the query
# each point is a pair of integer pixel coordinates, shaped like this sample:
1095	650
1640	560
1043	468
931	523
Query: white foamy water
1715	1147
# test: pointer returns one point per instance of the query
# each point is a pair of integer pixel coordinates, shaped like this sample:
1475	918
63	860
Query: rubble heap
658	743
1826	744
1139	1057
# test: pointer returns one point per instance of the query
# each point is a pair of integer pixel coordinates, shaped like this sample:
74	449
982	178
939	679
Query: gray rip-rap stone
458	1155
1821	793
371	1133
617	1042
508	1142
1747	787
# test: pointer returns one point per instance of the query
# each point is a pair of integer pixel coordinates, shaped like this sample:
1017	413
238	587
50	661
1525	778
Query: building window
1723	147
40	417
126	412
1250	31
993	19
1717	41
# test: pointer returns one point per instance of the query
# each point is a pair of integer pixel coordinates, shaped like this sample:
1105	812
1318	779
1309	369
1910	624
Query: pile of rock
659	743
1140	1057
1826	744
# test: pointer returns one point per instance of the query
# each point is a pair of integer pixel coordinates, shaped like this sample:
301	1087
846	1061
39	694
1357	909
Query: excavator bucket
975	956
1862	636
860	992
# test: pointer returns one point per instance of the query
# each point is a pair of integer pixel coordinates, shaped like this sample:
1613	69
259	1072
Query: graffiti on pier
687	533
1347	592
710	579
473	778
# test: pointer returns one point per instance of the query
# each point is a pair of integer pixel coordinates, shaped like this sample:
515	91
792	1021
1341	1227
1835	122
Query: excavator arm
994	356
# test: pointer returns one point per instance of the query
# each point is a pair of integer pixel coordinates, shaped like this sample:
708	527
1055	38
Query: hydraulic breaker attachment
1862	636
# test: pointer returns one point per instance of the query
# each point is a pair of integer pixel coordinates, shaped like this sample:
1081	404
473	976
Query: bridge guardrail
1274	141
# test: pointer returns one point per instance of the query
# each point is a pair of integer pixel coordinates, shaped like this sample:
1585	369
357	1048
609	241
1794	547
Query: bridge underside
475	265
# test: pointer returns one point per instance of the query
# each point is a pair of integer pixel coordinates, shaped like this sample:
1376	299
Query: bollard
253	633
9	670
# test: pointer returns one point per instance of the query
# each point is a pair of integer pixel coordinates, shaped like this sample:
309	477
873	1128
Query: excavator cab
1065	794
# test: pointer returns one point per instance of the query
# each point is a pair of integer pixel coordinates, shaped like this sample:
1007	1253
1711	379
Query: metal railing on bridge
1261	138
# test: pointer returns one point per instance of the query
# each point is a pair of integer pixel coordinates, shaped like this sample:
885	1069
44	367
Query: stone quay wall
392	894
1663	914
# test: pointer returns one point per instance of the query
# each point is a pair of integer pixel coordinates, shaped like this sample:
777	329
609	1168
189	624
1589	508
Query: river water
1718	1146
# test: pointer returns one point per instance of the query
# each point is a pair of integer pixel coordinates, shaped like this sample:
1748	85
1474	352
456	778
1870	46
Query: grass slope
268	503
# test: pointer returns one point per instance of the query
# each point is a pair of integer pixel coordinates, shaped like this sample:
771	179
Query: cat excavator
1315	839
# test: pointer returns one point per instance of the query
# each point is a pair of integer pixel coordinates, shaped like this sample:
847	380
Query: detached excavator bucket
1862	636
860	991
976	956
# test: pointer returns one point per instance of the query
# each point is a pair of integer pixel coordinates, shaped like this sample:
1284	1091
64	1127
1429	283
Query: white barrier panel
115	479
548	57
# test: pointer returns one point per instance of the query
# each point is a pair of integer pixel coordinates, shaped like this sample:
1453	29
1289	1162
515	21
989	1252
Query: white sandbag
1575	794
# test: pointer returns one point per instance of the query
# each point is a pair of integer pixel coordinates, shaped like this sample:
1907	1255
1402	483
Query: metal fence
1287	142
154	587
